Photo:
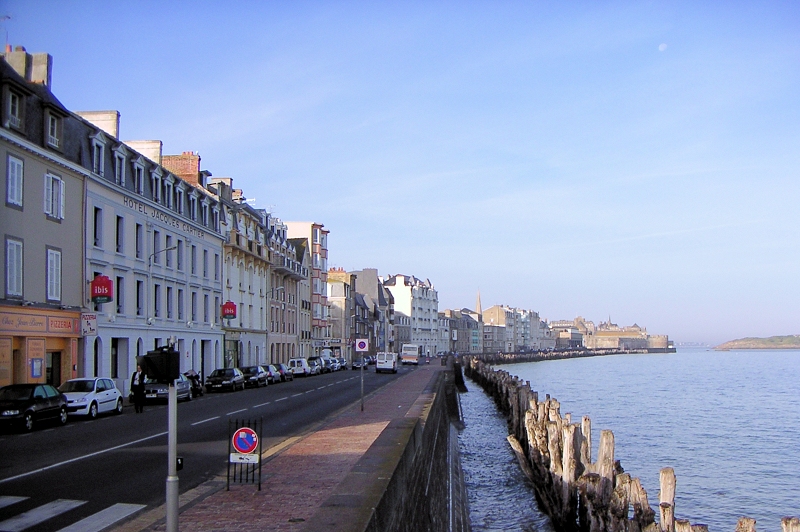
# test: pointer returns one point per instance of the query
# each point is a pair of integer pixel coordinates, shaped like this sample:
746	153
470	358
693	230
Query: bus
410	354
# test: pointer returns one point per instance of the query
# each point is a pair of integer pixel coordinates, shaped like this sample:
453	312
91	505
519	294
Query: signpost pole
172	457
362	381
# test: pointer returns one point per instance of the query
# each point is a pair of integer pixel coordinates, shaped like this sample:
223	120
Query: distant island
773	342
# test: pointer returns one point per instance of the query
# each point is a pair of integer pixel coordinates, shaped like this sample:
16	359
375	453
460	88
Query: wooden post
667	499
790	524
746	524
586	445
605	463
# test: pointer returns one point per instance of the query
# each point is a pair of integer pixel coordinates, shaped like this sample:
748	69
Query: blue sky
632	160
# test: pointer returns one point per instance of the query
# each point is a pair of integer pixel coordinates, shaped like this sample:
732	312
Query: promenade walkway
301	473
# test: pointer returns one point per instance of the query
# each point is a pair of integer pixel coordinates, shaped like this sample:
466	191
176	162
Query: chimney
36	68
108	121
186	166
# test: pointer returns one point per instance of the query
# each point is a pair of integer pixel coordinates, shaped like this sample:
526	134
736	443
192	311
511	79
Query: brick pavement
299	474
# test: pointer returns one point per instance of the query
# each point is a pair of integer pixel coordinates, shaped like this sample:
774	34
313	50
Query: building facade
419	301
316	237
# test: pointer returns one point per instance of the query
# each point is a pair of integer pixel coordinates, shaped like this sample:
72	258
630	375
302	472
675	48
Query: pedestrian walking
137	389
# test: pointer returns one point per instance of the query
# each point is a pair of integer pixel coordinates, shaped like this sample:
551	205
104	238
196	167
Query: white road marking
235	412
38	514
262	404
297	395
65	462
205	421
281	399
104	518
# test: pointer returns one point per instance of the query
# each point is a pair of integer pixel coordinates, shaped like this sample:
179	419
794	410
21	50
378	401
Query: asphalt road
123	458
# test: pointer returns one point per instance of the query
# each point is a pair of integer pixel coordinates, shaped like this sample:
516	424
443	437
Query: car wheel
93	411
189	396
118	409
62	416
28	422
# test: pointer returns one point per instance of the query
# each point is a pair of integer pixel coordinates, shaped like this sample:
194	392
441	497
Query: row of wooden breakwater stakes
577	494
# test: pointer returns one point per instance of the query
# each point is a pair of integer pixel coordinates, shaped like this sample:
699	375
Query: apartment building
341	304
419	301
41	221
316	237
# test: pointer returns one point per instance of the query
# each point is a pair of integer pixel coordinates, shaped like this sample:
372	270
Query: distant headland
773	342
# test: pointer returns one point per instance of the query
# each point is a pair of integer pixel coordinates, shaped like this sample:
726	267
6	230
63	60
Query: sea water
727	422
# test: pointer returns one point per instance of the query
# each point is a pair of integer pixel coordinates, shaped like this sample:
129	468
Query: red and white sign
229	310
362	345
245	440
102	289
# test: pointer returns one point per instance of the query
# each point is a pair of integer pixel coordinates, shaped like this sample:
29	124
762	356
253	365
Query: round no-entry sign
245	440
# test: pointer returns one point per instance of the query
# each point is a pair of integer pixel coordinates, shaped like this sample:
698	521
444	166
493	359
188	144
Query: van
386	362
300	366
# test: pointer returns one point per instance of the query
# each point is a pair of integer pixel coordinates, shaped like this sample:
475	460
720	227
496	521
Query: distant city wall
577	494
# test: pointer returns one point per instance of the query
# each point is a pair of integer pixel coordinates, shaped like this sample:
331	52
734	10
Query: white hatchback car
91	396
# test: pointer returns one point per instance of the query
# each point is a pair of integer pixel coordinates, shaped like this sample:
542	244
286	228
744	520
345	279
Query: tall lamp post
172	421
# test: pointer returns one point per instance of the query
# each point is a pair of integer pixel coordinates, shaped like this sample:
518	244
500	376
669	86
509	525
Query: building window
216	310
139	298
204	214
156	247
138	178
139	241
180	255
206	309
53	131
315	235
180	304
193	207
194	259
14	181
168	252
194	306
97	233
53	275
119	169
155	183
54	196
120	244
180	201
120	295
156	300
14	111
13	268
170	304
98	156
205	263
215	219
169	192
216	266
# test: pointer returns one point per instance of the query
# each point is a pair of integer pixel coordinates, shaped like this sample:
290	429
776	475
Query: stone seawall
555	453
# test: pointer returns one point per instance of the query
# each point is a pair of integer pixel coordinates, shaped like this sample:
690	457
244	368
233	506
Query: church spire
478	309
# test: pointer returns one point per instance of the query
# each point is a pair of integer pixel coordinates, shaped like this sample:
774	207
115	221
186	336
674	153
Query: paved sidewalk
300	474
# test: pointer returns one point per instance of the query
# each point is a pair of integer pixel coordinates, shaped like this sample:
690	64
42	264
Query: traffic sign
245	440
362	345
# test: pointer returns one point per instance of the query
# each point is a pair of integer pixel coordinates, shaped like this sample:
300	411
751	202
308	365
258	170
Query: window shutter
62	195
48	193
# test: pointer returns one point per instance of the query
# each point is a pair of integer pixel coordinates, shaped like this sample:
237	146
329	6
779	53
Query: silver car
159	391
91	396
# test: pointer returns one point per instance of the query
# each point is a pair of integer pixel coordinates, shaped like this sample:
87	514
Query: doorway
53	368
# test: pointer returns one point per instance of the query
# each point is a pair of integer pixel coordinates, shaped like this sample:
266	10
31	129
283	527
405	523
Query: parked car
300	366
26	405
91	396
334	363
316	365
255	376
225	378
357	362
159	391
325	364
286	372
273	375
342	362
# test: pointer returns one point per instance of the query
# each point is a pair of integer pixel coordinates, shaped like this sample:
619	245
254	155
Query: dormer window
14	111
180	199
155	183
169	191
53	131
193	207
204	214
119	167
98	154
215	219
138	177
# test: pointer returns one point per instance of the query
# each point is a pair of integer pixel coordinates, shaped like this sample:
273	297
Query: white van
386	362
299	366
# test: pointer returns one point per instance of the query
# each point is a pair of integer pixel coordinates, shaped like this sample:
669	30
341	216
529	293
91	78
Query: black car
254	376
26	405
225	379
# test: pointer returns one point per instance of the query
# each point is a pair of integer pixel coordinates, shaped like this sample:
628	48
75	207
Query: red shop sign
228	310
102	289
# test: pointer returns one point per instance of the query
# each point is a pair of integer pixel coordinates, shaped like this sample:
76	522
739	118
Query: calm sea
727	422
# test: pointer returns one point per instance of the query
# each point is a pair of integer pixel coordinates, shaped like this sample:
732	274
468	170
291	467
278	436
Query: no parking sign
362	345
245	440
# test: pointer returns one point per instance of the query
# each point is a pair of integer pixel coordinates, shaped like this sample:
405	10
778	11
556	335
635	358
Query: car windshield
250	370
222	373
15	393
77	386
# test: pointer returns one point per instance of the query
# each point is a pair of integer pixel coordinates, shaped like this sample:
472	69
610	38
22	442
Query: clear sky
637	160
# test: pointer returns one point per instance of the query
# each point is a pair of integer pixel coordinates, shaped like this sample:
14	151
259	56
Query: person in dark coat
137	389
